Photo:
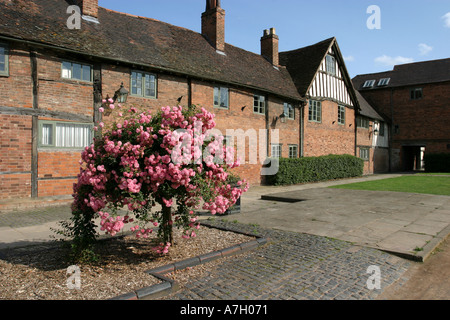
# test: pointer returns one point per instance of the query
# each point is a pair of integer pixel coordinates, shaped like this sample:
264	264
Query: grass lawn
415	184
434	174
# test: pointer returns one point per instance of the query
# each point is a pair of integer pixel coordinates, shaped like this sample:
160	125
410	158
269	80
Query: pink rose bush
174	158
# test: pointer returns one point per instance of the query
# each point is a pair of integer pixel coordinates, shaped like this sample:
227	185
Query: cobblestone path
293	266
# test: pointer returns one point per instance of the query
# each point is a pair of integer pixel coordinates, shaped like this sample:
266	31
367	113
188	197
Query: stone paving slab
396	222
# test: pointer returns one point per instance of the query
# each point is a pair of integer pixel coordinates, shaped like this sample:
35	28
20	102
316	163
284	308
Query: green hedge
312	169
437	162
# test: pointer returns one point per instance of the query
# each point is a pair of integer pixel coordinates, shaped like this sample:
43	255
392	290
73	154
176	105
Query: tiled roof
408	74
366	109
141	41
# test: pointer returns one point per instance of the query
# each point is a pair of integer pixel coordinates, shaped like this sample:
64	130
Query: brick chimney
213	24
269	46
89	7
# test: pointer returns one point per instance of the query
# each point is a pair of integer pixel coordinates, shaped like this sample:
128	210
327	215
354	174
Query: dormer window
369	84
384	82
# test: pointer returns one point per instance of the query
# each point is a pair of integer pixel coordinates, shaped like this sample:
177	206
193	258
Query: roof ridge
309	46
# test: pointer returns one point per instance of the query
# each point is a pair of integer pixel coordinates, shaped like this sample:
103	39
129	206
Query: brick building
414	100
53	79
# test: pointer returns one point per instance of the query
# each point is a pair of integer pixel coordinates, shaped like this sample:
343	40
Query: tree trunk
167	225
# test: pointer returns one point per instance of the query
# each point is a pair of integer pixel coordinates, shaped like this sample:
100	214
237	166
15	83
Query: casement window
259	104
315	111
362	122
341	114
143	84
4	60
293	151
331	65
364	153
76	71
221	97
276	150
416	93
53	134
289	111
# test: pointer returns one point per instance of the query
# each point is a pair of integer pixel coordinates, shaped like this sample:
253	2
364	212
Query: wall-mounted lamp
120	96
282	117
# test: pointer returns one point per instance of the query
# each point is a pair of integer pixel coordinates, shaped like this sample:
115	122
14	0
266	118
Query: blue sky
410	30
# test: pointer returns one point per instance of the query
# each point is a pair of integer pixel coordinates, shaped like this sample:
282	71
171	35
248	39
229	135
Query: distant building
414	99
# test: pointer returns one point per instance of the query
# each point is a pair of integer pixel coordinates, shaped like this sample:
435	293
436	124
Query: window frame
143	89
341	114
413	91
360	121
315	105
261	107
219	90
369	83
280	150
384	82
53	145
91	73
5	73
330	66
364	150
287	109
291	147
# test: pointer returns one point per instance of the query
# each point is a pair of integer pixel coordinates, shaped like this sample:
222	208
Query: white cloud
349	58
424	49
446	18
392	61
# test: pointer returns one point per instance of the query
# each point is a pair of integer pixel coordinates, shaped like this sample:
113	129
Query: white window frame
70	75
6	61
143	88
384	82
369	84
218	103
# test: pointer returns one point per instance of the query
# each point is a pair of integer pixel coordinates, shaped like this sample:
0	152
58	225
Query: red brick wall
329	137
15	156
17	89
